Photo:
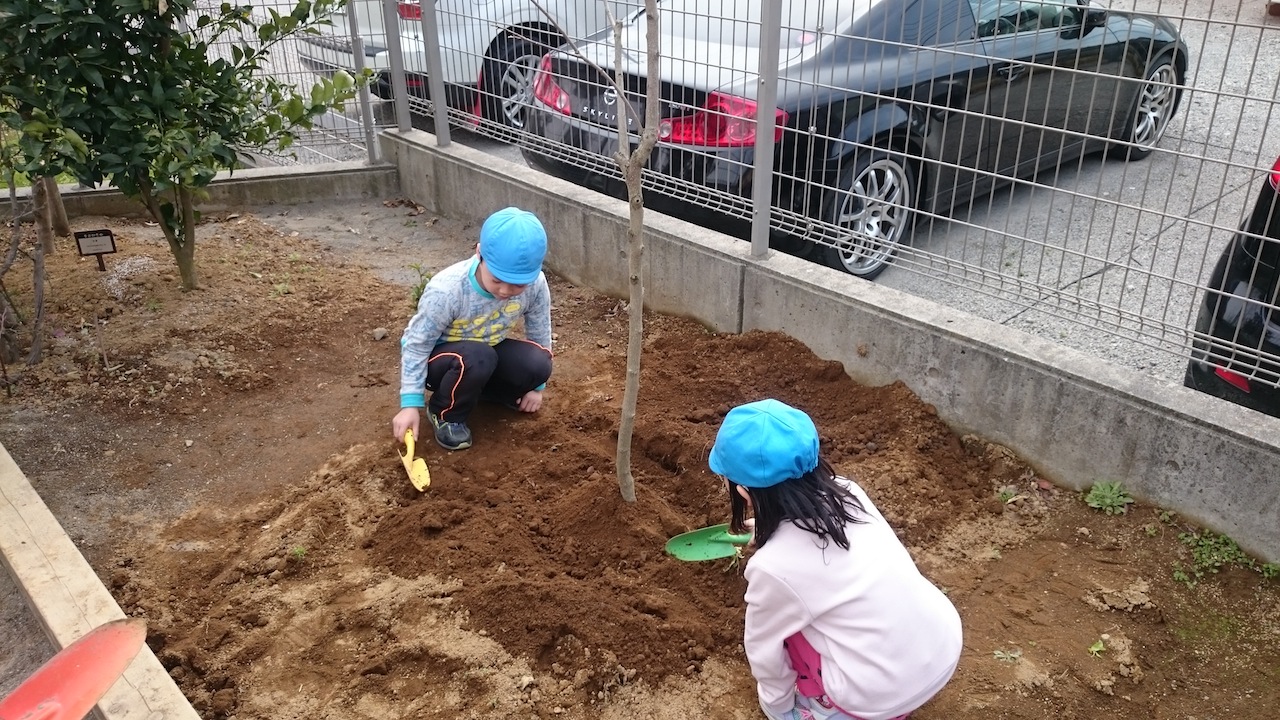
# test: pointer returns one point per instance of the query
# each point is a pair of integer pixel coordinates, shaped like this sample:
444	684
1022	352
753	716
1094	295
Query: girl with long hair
840	623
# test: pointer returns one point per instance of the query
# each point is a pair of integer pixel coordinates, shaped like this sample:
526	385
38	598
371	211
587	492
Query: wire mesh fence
1070	169
339	135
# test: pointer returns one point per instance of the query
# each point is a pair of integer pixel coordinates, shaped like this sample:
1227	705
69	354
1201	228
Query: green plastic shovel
708	543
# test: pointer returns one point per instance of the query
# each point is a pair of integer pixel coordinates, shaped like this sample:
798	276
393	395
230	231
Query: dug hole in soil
223	458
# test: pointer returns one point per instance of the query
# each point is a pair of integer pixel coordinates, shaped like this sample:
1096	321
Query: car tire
508	78
874	207
1152	111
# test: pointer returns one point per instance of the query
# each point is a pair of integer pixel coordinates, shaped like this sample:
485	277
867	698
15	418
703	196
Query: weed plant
1109	497
1211	553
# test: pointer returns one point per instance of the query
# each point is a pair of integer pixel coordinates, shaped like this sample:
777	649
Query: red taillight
1230	376
409	11
722	121
548	91
1275	176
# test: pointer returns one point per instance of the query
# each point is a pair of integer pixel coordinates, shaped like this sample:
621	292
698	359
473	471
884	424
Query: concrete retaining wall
251	187
1078	420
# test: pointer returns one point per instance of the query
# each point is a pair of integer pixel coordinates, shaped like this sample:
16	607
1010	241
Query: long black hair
813	502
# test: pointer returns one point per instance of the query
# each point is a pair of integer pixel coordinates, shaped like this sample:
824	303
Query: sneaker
450	435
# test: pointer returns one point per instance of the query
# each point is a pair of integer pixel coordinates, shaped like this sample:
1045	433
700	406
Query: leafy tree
154	96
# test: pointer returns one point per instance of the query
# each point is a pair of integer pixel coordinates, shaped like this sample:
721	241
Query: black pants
460	374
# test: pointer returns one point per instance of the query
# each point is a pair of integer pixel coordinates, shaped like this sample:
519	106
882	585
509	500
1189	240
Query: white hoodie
889	640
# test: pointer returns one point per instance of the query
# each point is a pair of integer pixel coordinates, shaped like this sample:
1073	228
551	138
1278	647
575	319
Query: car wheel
1152	111
508	79
873	208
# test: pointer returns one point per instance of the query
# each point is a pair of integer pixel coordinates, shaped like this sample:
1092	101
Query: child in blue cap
840	623
457	344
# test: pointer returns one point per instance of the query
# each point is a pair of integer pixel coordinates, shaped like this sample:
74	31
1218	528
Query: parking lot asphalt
1126	244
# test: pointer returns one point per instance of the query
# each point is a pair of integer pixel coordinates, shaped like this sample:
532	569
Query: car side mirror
1094	17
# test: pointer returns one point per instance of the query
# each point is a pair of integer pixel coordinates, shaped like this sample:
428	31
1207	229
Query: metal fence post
399	87
366	108
766	104
435	71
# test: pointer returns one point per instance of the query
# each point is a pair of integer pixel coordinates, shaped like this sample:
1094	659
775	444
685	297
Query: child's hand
407	419
530	401
750	526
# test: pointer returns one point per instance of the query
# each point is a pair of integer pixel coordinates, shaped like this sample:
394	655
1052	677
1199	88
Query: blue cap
760	444
513	243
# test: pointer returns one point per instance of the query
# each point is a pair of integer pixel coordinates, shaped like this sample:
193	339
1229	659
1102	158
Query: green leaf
92	74
321	93
78	143
342	81
293	110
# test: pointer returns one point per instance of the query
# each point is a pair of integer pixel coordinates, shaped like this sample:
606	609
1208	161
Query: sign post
96	243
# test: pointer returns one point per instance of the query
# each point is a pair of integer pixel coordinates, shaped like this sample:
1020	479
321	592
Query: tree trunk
632	165
635	329
182	247
186	253
57	211
44	229
37	325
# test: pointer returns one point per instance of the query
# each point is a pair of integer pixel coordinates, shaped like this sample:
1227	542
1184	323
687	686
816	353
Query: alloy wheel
516	89
875	211
1155	106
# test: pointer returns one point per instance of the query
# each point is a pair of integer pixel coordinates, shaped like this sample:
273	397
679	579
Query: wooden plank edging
69	600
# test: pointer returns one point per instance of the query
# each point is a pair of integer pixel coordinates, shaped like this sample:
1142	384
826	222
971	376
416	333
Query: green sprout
424	277
1097	648
735	562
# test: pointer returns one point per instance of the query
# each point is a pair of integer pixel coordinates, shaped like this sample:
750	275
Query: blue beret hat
763	443
513	244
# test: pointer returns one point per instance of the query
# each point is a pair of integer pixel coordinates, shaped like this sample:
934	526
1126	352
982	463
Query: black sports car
1236	353
886	108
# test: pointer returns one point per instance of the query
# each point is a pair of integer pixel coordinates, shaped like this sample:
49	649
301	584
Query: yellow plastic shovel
415	467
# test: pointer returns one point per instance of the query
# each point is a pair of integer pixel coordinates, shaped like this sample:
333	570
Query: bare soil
224	459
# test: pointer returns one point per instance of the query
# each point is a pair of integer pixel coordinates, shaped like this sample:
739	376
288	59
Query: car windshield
737	22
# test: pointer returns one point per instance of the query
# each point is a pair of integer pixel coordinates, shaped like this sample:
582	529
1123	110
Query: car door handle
1011	71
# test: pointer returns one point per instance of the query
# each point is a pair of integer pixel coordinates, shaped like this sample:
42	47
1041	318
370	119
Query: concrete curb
69	600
